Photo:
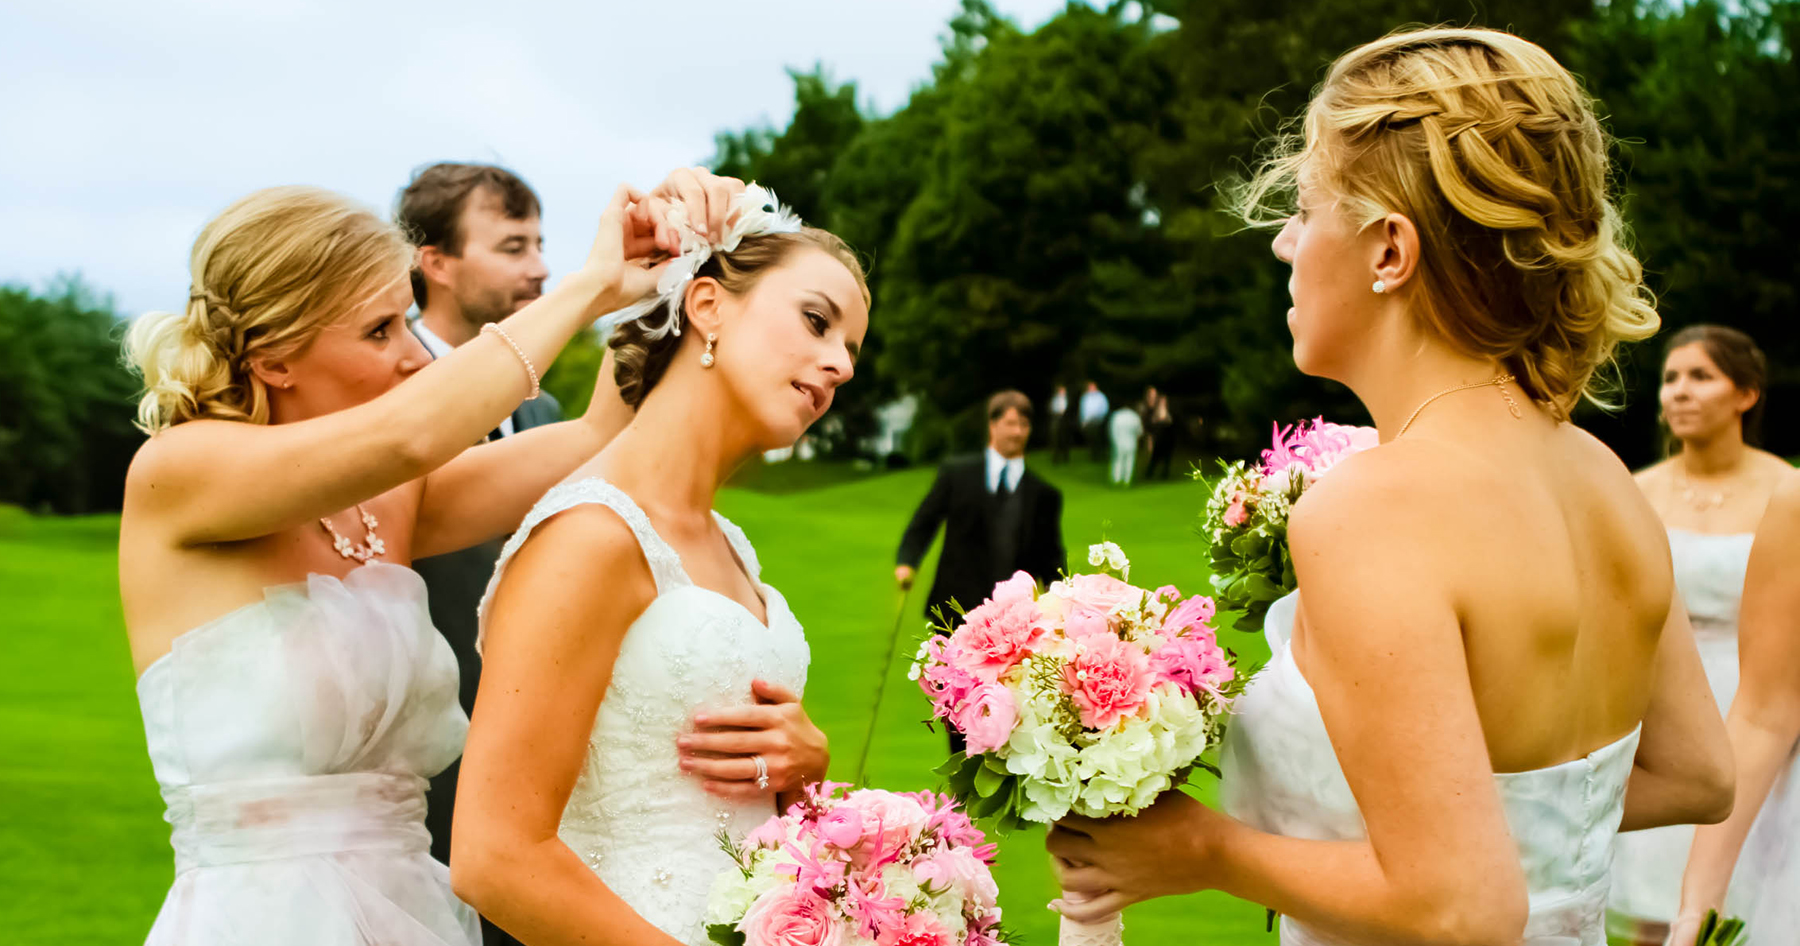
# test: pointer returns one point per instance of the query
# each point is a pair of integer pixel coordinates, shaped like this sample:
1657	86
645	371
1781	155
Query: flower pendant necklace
370	547
1702	501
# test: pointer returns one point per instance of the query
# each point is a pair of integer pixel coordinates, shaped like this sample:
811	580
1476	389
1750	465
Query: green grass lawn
84	854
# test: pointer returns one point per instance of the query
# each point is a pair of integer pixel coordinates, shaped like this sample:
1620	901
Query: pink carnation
1107	680
996	636
986	718
1236	514
920	929
791	916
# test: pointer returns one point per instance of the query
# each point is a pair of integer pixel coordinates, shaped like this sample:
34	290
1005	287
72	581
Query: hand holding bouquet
1092	696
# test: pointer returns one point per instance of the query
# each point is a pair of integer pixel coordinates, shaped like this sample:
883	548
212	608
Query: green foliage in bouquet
1251	564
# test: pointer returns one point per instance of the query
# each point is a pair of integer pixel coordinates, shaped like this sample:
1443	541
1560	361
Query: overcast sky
126	125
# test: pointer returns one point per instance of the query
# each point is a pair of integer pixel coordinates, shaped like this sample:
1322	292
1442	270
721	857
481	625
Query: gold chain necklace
1499	382
370	547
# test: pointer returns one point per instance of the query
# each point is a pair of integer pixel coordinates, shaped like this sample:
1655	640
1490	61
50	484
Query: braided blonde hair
267	274
1494	152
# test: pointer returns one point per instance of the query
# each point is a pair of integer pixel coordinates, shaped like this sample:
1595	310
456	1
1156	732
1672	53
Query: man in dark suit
998	518
480	260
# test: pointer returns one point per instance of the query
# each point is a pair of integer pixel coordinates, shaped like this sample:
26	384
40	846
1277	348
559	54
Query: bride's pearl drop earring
706	359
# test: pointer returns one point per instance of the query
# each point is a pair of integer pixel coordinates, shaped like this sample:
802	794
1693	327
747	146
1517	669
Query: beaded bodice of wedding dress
1281	775
644	826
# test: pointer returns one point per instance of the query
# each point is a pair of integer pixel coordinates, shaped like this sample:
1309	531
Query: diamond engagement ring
762	773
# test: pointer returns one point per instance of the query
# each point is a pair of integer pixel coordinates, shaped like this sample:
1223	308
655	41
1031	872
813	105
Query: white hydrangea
733	893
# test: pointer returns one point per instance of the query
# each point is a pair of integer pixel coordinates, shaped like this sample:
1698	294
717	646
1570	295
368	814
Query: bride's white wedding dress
292	739
643	825
1282	776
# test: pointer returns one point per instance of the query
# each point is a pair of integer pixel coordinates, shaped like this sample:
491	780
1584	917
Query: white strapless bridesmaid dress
292	739
1281	775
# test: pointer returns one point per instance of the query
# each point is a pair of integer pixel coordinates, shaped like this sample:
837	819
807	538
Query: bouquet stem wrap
1107	932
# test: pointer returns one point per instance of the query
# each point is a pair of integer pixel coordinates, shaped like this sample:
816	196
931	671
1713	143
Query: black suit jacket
454	584
959	500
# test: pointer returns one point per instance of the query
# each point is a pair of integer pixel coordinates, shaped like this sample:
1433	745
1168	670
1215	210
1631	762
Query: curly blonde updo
639	361
1494	152
266	275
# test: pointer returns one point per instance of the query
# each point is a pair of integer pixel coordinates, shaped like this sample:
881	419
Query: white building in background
892	420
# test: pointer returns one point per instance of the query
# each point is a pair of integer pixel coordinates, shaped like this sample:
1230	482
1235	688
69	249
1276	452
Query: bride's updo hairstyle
1493	150
266	275
640	361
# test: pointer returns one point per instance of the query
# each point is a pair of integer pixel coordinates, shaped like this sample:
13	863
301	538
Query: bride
1485	649
640	682
303	448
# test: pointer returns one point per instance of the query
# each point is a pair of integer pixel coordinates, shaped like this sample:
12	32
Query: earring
706	359
1379	286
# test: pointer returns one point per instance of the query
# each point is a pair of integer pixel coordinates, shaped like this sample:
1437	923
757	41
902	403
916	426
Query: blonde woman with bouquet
1486	649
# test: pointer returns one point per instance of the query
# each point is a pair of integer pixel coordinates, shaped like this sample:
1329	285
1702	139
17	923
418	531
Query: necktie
1003	488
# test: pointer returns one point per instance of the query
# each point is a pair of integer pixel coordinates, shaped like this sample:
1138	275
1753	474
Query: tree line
1047	207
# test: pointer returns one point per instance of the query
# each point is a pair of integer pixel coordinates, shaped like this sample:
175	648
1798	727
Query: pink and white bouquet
859	868
1092	696
1246	518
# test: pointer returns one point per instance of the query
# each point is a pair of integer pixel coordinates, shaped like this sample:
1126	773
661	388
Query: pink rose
960	870
1081	622
996	636
790	916
842	828
1020	587
770	833
1102	593
891	820
920	929
1107	680
1191	614
987	718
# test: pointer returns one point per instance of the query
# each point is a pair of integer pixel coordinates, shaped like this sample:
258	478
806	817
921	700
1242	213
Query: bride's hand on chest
766	748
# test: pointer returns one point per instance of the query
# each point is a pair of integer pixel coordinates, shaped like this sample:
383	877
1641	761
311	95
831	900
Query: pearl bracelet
530	371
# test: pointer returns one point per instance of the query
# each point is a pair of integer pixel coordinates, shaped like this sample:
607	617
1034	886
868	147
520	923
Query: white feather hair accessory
753	213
